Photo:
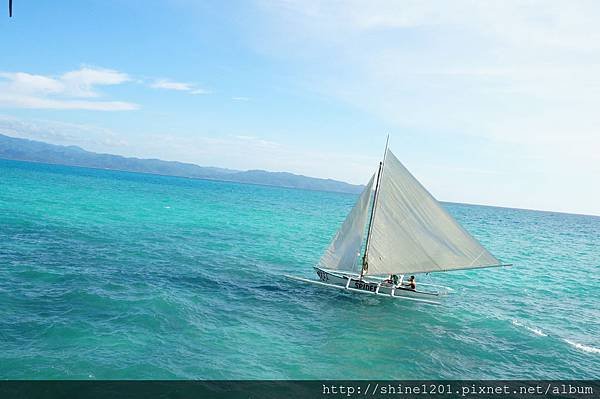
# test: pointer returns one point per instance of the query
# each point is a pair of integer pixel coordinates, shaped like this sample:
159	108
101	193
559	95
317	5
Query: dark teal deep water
109	274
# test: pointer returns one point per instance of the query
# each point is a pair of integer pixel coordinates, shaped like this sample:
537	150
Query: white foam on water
585	348
538	332
167	207
534	330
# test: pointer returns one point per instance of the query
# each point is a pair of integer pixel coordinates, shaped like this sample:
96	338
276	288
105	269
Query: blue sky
486	102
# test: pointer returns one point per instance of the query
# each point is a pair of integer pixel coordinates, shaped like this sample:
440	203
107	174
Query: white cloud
249	151
237	151
31	84
256	141
519	77
67	92
90	137
167	84
244	99
200	91
170	85
81	83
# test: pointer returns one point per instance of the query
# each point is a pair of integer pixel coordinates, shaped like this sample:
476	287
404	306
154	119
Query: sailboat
397	228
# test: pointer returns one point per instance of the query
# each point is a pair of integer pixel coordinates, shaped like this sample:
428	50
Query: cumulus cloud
73	90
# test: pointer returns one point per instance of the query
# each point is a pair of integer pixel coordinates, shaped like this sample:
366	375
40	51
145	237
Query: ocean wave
534	330
585	348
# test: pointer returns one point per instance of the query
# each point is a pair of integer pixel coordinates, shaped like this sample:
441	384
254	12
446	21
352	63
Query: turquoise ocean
115	275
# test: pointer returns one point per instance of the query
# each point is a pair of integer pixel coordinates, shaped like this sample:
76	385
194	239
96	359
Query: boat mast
365	264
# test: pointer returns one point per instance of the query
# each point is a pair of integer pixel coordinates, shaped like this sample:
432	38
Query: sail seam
475	260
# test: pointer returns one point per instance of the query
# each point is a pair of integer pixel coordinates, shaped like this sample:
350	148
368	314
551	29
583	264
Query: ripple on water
118	275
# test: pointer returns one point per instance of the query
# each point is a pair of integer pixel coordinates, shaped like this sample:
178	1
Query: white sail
344	250
412	233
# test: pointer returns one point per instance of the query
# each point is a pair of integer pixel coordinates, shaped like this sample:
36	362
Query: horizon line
283	187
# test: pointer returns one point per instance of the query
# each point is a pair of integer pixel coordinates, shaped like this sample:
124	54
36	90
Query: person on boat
412	284
392	279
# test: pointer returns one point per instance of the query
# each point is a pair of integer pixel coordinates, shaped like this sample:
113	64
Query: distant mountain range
36	151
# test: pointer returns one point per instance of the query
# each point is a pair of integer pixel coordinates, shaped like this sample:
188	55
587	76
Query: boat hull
370	285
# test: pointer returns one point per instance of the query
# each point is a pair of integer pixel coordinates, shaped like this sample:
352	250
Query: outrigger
397	228
376	286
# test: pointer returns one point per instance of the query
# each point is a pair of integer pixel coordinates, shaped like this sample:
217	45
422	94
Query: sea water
116	275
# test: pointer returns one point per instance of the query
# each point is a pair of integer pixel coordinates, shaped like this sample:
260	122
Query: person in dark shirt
412	284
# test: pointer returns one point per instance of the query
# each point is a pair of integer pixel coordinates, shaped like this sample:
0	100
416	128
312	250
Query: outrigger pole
365	264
